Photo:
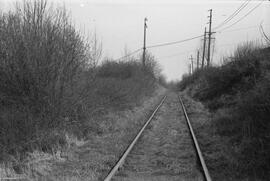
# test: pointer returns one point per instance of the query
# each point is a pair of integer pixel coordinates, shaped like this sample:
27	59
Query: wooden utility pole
198	56
191	61
209	38
192	66
144	42
204	42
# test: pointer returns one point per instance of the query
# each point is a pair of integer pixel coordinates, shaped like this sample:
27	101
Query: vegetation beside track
53	90
237	94
94	159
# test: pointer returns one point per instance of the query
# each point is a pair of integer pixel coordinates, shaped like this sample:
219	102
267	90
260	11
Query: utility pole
209	38
95	46
191	60
204	42
198	55
144	41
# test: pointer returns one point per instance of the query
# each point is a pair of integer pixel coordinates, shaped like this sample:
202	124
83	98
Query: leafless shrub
42	57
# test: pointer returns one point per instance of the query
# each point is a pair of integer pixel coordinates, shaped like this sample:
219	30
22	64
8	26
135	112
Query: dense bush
235	76
121	70
124	82
41	54
238	93
253	110
50	82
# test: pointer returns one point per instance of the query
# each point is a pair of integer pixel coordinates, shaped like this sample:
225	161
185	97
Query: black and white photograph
134	90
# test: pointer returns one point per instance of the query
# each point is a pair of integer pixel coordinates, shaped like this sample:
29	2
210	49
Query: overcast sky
119	23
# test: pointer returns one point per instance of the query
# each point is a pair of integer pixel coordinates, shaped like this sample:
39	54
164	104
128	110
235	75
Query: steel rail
121	161
198	150
13	178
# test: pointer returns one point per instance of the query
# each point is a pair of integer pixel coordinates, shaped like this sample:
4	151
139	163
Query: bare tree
42	55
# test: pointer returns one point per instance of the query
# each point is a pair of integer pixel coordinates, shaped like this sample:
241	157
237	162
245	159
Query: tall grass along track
121	160
197	147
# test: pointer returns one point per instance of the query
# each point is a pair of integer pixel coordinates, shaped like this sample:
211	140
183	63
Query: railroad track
122	159
196	144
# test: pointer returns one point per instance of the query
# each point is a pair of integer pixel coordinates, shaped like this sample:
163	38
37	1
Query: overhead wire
236	12
267	39
192	38
183	53
176	54
239	29
128	55
249	12
160	45
174	42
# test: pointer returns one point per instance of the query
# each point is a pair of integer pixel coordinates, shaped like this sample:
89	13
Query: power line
186	52
244	28
128	55
171	43
176	54
175	42
249	12
159	45
236	12
230	44
263	33
239	29
181	41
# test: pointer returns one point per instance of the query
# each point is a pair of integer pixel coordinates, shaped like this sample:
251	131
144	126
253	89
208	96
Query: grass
237	93
212	145
96	157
